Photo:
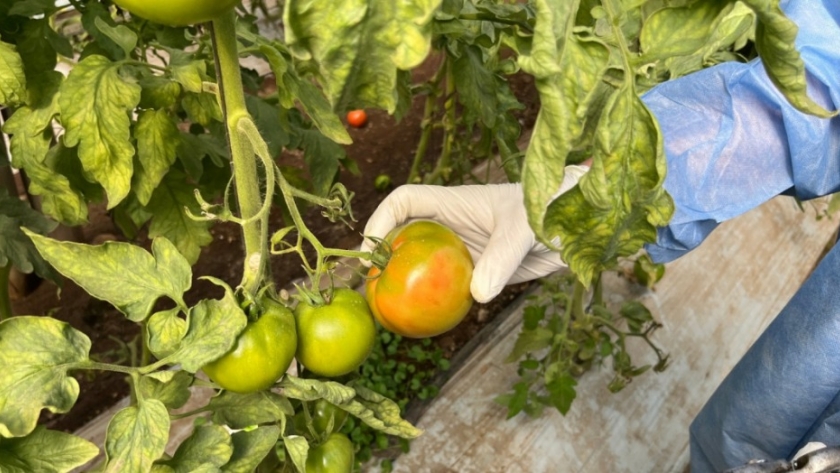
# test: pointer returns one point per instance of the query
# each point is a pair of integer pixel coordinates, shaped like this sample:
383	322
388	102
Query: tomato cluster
424	290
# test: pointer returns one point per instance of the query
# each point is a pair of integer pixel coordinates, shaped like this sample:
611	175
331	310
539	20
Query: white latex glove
808	448
491	220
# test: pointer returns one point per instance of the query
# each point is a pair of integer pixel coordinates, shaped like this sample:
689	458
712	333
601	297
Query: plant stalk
444	163
243	162
5	300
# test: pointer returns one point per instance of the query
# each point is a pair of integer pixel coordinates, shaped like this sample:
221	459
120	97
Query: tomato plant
334	455
335	338
425	288
262	353
357	118
177	12
166	140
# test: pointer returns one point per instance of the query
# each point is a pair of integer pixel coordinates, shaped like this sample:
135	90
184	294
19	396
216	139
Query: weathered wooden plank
713	303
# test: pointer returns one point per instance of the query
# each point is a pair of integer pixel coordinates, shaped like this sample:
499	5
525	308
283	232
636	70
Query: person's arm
733	141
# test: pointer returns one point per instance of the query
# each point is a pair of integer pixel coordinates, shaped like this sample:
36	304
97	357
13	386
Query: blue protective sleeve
733	141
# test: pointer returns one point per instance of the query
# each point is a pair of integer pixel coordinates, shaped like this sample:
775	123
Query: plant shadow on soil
382	146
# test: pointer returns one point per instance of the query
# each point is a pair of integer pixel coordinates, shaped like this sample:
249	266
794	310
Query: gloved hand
491	220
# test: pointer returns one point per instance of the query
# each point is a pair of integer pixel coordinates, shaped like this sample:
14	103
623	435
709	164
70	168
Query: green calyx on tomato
325	418
262	353
335	338
335	455
424	290
177	12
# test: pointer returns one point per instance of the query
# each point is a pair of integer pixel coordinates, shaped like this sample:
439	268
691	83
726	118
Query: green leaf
530	341
123	274
267	119
172	388
561	393
158	93
100	124
30	126
250	447
298	449
293	89
207	445
168	205
476	85
358	46
15	246
775	37
201	108
30	8
188	72
239	411
313	389
157	140
36	353
46	451
566	71
122	35
12	79
213	326
515	401
164	332
136	437
679	31
620	201
322	157
60	199
379	412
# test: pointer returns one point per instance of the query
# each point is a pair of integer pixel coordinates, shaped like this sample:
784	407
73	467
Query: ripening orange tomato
424	289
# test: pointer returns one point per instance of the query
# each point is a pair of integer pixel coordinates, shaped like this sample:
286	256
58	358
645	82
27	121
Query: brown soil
383	146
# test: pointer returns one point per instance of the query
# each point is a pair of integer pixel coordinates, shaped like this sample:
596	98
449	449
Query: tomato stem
426	124
243	162
5	299
444	164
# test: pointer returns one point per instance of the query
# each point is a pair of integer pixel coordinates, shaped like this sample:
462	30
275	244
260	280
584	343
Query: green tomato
177	12
335	455
262	353
321	412
336	338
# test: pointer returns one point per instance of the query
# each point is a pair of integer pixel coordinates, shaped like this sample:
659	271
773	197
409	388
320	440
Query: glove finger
464	209
501	258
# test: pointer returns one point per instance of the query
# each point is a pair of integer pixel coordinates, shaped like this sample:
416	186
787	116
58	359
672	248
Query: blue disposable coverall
733	142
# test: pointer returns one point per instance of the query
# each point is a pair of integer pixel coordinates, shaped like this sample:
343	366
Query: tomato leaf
250	447
530	341
566	71
379	412
36	353
678	31
15	246
100	124
45	451
169	387
476	84
168	206
292	90
30	125
775	36
123	274
359	52
322	157
12	79
561	392
58	181
313	389
122	35
136	437
620	201
164	332
239	411
298	449
212	328
202	108
157	141
188	72
208	445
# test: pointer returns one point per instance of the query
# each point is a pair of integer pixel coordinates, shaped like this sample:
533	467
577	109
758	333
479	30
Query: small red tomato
357	118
